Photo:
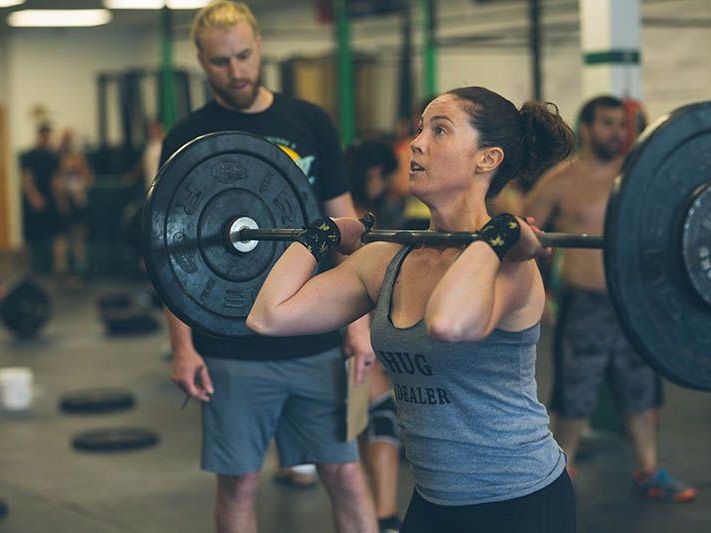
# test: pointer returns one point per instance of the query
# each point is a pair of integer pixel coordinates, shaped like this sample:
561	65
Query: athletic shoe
660	485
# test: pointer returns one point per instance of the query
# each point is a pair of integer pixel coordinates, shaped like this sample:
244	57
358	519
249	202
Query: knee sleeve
382	421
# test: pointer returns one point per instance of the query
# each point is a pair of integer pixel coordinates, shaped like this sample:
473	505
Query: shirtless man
589	344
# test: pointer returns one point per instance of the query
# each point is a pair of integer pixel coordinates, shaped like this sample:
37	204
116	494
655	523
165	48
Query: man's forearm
180	333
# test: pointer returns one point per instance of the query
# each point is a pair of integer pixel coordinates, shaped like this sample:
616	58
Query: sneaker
660	485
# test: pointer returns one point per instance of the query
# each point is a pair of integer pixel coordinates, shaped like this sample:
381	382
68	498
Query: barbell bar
408	237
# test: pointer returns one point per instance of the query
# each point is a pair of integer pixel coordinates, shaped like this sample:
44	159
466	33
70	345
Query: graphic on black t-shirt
303	162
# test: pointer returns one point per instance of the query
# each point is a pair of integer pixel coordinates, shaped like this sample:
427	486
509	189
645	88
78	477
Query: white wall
676	68
57	69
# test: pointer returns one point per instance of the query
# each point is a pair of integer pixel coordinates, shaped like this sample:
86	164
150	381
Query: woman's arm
292	302
478	291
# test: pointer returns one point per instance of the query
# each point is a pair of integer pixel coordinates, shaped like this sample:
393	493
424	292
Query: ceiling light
134	4
64	18
154	4
186	4
10	3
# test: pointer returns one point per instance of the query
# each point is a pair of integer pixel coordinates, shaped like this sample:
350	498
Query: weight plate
26	308
659	309
115	439
696	242
95	401
198	192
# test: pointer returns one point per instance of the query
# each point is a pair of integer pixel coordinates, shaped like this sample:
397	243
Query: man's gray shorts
301	402
590	346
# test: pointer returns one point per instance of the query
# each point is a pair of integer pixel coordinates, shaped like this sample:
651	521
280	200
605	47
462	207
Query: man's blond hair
222	14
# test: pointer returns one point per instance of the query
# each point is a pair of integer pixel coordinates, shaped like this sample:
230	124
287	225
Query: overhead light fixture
186	4
134	4
11	3
154	4
58	18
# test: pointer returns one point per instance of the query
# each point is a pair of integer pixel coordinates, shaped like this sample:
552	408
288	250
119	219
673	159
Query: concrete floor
51	487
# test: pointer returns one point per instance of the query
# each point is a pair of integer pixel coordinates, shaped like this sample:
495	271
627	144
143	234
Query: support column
610	41
405	96
167	79
102	87
534	39
5	197
429	46
346	103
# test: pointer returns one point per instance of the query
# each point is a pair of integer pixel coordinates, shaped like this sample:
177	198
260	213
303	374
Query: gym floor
50	487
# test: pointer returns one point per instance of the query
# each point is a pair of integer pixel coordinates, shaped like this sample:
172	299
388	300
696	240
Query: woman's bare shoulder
373	260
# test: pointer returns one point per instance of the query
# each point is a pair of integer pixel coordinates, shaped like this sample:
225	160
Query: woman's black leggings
549	510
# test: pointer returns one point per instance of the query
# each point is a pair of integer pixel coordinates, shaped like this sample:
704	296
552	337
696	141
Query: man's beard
606	152
241	100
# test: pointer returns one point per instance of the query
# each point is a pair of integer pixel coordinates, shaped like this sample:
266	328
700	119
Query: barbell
224	207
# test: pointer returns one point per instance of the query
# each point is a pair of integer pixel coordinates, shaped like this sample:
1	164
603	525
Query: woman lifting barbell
455	326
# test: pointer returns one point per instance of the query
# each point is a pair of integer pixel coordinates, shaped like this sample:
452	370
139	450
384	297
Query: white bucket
16	388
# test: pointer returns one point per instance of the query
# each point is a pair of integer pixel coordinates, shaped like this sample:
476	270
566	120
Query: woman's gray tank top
472	426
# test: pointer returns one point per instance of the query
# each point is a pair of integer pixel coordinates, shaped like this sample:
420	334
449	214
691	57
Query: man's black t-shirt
307	135
42	163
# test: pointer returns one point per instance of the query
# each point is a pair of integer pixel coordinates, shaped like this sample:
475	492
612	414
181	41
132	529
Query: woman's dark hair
533	138
362	156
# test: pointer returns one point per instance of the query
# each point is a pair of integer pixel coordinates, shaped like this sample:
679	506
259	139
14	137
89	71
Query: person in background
414	214
371	164
253	388
70	187
589	343
41	219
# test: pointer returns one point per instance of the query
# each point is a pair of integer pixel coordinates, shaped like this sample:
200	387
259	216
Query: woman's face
444	150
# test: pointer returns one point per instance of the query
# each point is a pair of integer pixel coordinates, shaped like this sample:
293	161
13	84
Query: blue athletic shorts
300	402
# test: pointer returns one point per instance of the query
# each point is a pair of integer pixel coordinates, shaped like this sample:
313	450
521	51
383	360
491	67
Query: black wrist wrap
368	220
320	237
501	233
